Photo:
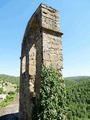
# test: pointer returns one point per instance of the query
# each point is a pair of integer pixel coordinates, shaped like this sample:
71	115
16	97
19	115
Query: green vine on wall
51	104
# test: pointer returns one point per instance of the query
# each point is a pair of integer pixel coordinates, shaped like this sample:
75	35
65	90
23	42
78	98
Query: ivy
51	103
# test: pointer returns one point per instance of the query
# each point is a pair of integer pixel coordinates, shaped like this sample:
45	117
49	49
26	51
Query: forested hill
11	79
78	78
78	98
77	95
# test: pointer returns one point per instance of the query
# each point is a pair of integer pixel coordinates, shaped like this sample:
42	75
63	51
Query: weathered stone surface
42	44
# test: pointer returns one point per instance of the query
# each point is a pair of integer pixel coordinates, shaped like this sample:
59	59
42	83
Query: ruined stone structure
42	44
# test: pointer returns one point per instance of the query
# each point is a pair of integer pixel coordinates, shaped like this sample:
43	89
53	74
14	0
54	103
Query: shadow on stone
14	116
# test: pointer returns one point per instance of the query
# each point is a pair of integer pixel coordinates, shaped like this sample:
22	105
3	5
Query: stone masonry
41	44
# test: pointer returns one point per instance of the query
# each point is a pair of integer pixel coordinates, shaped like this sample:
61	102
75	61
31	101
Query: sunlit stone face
32	60
23	64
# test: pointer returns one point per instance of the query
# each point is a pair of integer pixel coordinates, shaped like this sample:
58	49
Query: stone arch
41	44
31	61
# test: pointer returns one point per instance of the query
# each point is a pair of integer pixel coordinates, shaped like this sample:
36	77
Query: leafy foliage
7	100
51	103
11	93
1	90
78	99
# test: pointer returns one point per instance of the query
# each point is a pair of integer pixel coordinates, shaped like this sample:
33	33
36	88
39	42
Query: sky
74	22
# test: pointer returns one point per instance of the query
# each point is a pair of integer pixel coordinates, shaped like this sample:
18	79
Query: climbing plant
51	103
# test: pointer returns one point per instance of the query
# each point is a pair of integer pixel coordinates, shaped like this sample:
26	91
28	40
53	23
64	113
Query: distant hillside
11	79
69	81
77	78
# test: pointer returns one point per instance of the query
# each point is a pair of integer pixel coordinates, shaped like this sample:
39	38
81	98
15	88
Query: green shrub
11	93
17	90
6	84
51	103
1	90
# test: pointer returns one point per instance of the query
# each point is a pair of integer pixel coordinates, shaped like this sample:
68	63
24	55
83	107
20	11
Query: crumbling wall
52	43
42	44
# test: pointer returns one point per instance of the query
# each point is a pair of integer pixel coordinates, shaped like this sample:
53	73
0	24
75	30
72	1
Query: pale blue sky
74	22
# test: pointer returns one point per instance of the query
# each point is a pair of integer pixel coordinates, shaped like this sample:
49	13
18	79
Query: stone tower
41	44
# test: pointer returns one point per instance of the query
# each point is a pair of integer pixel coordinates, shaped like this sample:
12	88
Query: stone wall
52	50
52	43
41	44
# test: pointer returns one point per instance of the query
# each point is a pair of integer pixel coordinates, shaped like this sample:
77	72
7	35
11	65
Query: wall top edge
47	7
